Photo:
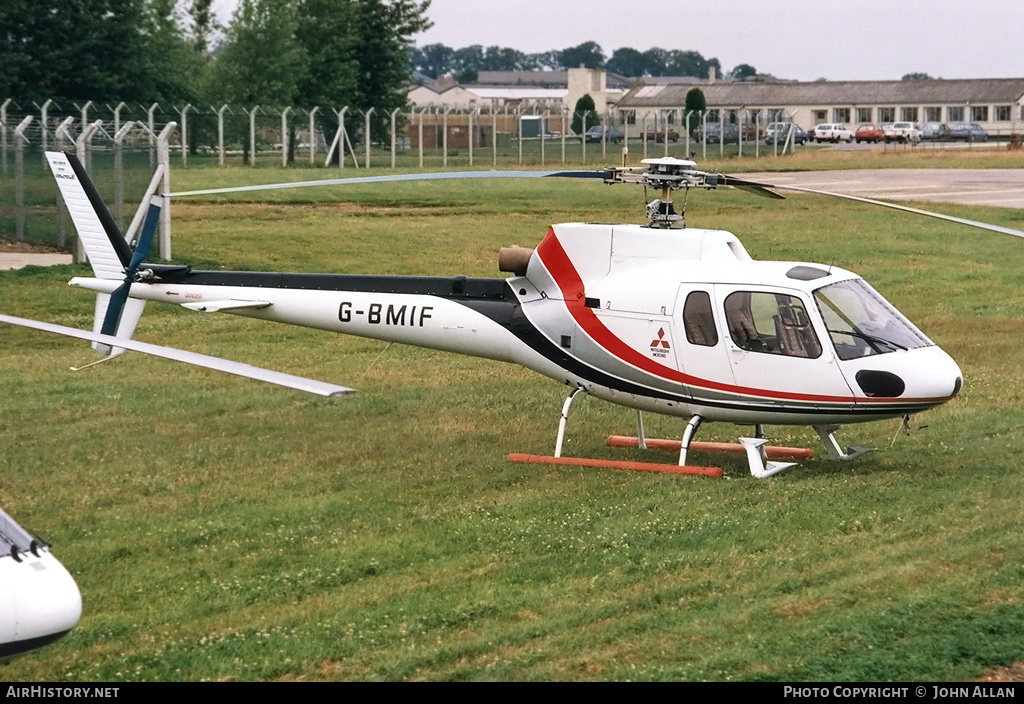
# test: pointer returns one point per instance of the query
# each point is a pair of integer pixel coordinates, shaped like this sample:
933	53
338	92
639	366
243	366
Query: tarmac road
1003	188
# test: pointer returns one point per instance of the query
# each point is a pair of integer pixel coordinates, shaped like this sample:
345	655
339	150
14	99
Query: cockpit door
777	347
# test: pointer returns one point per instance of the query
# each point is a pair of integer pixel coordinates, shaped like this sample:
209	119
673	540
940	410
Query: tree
585	113
260	60
695	104
82	50
916	77
435	60
627	62
742	72
687	63
587	55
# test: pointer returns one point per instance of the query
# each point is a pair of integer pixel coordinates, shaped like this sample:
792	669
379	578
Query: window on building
979	113
865	114
775	115
1002	113
841	115
670	117
933	114
908	114
887	114
954	113
819	115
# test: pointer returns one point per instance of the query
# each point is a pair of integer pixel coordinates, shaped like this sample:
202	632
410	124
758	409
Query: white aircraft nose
925	373
39	602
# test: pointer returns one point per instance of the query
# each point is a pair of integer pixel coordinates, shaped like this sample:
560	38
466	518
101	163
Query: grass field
221	529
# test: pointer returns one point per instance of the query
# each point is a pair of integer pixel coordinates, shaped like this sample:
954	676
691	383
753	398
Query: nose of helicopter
925	374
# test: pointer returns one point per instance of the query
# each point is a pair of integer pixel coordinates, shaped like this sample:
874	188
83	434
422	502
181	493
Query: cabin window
699	320
861	323
773	323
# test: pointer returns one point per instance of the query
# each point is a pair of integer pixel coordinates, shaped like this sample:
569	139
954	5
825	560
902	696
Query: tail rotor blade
146	238
114	308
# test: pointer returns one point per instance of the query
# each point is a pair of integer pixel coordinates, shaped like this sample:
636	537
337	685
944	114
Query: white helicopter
654	317
39	600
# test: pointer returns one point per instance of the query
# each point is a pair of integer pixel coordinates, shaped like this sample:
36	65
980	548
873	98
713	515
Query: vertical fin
104	244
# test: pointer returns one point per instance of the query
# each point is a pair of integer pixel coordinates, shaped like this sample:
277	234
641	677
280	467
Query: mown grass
223	529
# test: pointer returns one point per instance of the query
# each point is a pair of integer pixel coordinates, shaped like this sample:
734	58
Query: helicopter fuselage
679	322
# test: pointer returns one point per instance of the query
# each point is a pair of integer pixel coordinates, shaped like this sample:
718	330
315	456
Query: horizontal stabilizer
200	360
215	306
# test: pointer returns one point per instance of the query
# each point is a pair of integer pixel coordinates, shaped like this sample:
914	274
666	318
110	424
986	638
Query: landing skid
827	435
557	458
761	457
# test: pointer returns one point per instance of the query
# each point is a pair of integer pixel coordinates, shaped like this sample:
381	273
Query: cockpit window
773	323
861	323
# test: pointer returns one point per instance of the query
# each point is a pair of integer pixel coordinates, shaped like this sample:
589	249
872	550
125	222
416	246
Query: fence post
117	116
220	134
184	133
152	134
3	133
342	136
366	136
252	135
444	136
312	134
394	135
543	133
42	116
163	156
119	171
284	136
565	112
519	133
472	133
19	175
494	135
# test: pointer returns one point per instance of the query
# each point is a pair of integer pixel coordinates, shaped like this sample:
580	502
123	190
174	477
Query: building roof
842	93
546	79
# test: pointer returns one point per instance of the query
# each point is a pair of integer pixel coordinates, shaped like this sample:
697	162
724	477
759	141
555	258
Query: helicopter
39	600
655	317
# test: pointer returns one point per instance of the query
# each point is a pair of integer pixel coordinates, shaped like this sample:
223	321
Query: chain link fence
119	143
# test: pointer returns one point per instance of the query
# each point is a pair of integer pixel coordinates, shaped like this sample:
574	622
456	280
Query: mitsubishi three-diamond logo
660	344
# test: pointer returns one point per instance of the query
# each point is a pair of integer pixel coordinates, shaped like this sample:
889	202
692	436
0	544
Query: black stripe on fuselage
494	299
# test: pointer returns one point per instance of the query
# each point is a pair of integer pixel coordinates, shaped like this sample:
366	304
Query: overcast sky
795	39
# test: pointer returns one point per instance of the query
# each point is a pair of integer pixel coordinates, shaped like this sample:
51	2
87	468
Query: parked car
935	131
714	132
831	132
799	136
868	133
967	132
902	132
609	134
658	134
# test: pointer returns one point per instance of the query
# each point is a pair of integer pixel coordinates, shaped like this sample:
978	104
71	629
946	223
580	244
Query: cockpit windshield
861	323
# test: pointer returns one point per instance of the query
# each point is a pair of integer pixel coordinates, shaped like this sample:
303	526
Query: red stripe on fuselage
564	273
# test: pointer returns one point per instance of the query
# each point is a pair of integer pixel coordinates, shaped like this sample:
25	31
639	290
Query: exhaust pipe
514	260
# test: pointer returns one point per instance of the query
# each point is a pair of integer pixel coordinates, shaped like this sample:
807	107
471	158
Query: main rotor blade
759	189
908	209
200	360
395	177
887	204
